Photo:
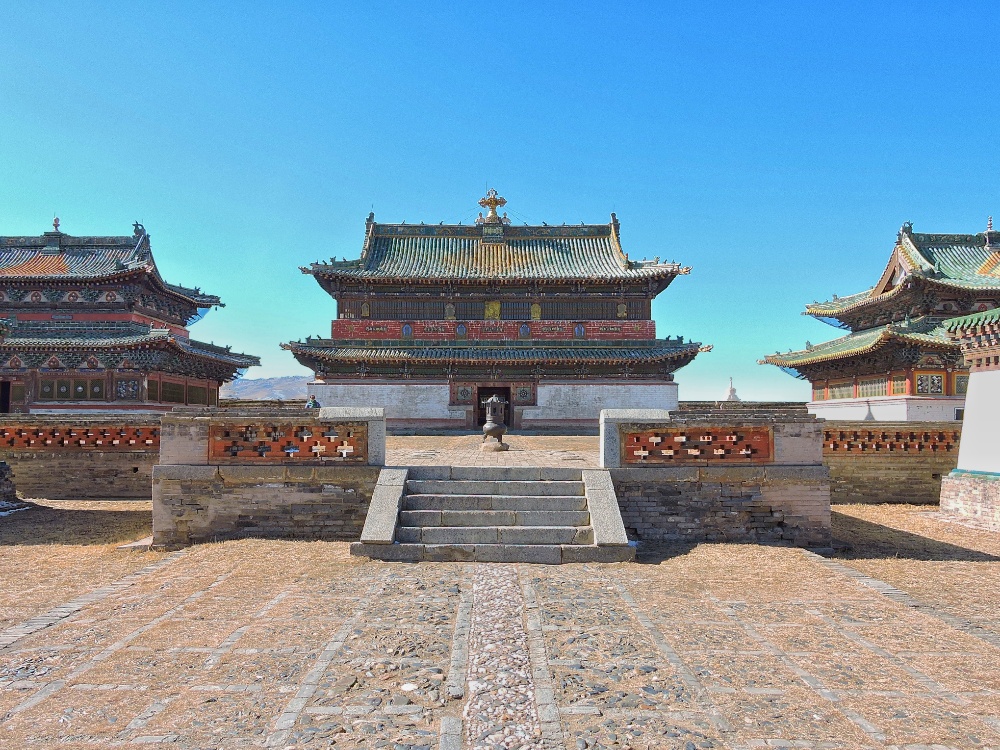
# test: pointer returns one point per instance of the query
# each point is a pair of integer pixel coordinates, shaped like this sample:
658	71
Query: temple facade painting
433	319
897	361
88	324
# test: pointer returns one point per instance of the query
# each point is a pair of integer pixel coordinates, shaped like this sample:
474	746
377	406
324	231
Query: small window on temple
172	392
153	390
407	331
579	331
47	390
96	390
961	385
460	331
959	414
366	310
622	310
536	311
524	331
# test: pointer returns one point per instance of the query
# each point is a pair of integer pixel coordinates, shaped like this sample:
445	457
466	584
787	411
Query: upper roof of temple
56	256
967	264
493	249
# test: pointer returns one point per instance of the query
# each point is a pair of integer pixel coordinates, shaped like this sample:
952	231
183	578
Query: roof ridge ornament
989	232
491	201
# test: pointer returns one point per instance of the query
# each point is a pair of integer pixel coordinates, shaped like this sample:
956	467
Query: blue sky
774	147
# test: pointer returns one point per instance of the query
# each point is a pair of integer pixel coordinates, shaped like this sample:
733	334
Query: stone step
549	554
494	518
499	487
496	473
495	534
494	502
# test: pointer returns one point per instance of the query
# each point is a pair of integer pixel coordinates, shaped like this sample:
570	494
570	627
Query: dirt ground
892	643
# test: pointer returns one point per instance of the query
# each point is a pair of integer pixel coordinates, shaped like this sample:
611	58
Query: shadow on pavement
44	524
864	540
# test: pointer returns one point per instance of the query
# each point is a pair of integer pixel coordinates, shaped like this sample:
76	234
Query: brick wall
81	457
972	495
752	474
889	462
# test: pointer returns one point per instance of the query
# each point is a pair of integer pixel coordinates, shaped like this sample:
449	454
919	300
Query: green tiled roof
55	256
968	322
405	251
493	352
923	331
31	336
960	261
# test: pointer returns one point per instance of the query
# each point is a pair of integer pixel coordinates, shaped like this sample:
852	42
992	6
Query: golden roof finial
492	201
989	223
55	223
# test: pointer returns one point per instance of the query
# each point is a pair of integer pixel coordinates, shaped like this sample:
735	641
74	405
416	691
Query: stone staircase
494	514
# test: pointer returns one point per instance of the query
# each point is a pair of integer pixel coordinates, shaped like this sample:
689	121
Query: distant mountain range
288	388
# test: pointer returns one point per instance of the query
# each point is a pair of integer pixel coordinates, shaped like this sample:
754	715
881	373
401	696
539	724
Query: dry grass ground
58	550
951	567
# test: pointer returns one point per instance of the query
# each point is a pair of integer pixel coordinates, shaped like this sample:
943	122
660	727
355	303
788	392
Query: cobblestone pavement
463	450
297	645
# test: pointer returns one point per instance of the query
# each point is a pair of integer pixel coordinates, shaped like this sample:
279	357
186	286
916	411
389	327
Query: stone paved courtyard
896	643
576	451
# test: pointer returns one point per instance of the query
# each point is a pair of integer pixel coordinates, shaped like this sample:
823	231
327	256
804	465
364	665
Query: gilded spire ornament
492	201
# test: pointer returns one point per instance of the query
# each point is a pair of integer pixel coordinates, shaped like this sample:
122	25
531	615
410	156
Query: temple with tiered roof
897	362
88	324
433	319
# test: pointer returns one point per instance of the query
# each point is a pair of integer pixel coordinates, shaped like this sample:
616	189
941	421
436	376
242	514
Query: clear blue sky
774	147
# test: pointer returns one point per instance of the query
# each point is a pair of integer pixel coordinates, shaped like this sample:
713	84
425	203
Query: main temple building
434	319
898	363
88	323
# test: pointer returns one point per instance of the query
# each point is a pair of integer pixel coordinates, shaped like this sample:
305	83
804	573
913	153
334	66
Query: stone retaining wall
755	475
194	504
275	473
889	462
774	504
81	457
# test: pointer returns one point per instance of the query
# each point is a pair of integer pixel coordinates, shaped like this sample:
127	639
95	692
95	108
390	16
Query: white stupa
731	396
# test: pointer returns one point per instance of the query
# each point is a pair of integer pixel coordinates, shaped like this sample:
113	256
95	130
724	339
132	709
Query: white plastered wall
400	401
888	408
980	446
584	401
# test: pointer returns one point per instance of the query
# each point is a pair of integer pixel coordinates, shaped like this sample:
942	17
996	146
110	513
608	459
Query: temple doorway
484	393
4	397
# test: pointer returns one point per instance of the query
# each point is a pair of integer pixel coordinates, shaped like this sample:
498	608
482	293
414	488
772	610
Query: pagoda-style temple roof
319	351
58	257
924	332
495	252
966	264
41	339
